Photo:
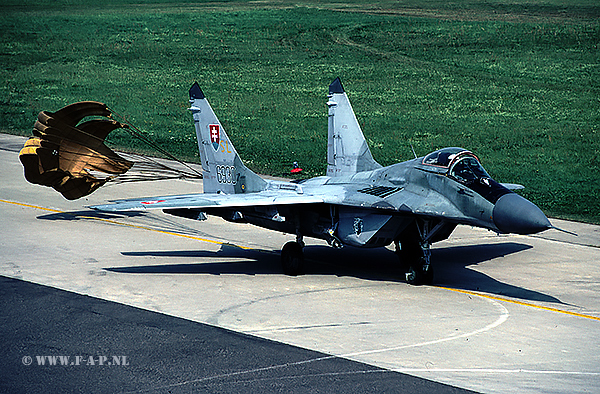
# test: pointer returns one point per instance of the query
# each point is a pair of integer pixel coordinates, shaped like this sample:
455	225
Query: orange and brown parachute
63	151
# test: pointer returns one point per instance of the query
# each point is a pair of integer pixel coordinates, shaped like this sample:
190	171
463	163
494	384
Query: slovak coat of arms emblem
214	135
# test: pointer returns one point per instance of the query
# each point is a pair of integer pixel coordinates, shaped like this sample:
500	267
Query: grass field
515	81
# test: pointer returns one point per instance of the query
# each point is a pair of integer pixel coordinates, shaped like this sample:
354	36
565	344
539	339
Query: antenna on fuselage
413	150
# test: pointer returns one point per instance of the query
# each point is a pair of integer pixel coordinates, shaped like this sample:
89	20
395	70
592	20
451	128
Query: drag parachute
63	151
68	153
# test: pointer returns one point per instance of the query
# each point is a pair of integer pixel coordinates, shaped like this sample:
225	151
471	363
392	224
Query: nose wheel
415	259
416	276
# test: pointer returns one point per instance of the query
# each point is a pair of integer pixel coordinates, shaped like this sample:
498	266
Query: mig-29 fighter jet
358	203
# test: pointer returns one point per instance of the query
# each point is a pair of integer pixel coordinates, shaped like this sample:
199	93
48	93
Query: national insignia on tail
214	135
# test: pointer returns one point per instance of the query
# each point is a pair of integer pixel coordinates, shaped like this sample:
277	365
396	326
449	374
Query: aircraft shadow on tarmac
87	214
144	219
450	265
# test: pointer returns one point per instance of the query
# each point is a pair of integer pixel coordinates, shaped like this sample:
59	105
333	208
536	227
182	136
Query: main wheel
292	259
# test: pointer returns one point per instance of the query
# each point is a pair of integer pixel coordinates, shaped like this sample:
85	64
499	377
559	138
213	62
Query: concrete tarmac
56	341
505	313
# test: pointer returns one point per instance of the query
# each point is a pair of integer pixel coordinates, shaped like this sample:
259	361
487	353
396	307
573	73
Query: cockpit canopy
443	157
461	164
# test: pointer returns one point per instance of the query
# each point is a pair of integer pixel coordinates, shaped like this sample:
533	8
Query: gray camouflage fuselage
379	206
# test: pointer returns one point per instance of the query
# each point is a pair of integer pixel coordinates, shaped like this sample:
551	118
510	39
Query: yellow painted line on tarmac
125	224
546	308
31	206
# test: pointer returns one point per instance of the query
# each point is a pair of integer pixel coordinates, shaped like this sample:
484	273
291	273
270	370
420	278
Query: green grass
516	82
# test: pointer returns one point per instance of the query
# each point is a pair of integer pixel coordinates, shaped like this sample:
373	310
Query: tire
292	259
416	276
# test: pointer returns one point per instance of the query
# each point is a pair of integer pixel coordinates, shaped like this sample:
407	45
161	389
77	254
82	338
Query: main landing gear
292	257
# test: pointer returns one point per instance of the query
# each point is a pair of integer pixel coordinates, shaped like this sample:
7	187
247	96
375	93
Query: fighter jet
358	203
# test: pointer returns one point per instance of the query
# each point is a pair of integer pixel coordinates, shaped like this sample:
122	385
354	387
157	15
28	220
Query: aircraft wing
217	200
391	200
395	200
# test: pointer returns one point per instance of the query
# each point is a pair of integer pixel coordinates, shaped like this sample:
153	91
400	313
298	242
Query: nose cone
515	214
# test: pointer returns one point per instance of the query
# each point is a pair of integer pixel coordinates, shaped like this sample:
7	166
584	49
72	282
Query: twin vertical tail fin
347	150
223	170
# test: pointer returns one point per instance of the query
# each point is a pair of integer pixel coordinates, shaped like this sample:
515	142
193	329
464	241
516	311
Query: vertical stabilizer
223	170
347	150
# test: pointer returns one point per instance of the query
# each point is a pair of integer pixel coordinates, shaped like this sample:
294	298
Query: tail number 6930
226	174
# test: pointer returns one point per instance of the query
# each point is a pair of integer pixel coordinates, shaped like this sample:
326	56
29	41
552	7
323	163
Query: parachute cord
139	134
142	164
154	165
117	180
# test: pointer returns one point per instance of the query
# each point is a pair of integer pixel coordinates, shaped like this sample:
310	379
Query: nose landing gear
415	259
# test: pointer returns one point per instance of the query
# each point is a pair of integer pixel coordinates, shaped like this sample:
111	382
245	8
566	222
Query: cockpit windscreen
467	170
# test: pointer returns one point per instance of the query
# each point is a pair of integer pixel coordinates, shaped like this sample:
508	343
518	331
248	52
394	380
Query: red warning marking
152	202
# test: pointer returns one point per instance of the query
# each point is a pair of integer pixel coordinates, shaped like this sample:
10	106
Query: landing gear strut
416	262
415	254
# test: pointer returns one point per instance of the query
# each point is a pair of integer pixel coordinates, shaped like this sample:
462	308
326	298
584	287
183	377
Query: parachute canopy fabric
63	151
